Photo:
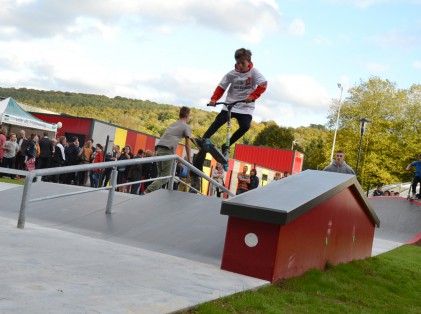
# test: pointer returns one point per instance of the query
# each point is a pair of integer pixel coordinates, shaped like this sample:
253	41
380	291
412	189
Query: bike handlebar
228	104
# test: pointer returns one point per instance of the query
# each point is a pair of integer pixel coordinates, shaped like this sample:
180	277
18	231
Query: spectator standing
31	152
378	191
59	158
46	152
417	179
135	173
167	145
96	173
2	142
86	157
11	148
243	181
20	156
218	175
126	153
113	156
339	165
72	158
254	180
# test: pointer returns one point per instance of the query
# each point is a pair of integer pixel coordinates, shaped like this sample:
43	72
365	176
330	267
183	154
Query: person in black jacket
46	152
31	152
254	179
20	156
72	158
59	157
135	173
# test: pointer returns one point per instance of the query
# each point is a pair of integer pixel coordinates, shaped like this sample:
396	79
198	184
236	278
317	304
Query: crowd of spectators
40	152
35	151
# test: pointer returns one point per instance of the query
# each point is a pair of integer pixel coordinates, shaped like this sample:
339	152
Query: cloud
376	68
417	64
297	27
298	90
291	100
322	41
398	39
363	4
47	18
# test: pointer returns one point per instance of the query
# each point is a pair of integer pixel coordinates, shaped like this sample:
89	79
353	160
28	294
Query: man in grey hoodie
339	164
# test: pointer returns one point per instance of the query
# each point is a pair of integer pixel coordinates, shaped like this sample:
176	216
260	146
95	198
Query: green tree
393	135
314	154
275	136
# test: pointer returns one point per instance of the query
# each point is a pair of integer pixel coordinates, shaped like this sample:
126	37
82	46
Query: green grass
14	181
388	283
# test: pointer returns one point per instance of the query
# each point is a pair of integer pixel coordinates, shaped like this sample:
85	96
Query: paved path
45	270
154	254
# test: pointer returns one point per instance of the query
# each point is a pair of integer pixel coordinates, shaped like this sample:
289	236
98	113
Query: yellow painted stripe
120	137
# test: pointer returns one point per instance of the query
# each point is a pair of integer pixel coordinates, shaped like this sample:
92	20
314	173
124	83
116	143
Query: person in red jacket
97	173
244	82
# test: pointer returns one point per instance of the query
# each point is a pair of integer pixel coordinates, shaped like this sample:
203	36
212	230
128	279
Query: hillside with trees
391	141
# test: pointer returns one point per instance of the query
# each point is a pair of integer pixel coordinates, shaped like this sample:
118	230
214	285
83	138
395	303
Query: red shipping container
131	141
74	125
282	160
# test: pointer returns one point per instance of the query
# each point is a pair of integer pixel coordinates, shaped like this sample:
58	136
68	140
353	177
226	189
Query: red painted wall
70	124
336	231
150	143
141	141
131	141
267	157
298	162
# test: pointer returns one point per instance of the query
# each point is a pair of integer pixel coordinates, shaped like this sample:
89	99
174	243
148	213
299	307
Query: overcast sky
176	51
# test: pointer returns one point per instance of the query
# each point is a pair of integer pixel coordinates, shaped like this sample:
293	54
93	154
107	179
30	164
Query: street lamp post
294	142
363	122
337	120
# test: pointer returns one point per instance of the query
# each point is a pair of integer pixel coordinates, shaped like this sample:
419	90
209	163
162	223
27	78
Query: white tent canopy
12	113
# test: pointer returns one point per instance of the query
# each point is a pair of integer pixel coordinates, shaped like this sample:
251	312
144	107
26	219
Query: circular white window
251	239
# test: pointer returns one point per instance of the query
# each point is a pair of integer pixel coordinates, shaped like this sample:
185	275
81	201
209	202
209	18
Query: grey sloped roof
285	200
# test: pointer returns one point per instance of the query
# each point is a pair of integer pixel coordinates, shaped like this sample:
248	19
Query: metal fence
30	176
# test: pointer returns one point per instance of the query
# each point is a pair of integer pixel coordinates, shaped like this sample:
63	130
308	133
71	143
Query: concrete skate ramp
400	219
171	222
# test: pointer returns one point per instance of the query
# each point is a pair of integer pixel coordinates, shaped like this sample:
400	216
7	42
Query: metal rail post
24	202
113	182
173	169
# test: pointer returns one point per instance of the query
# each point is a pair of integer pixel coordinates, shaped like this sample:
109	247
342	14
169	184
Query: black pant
20	161
9	163
416	180
244	121
44	162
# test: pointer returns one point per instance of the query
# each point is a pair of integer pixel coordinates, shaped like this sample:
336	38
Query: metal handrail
30	175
